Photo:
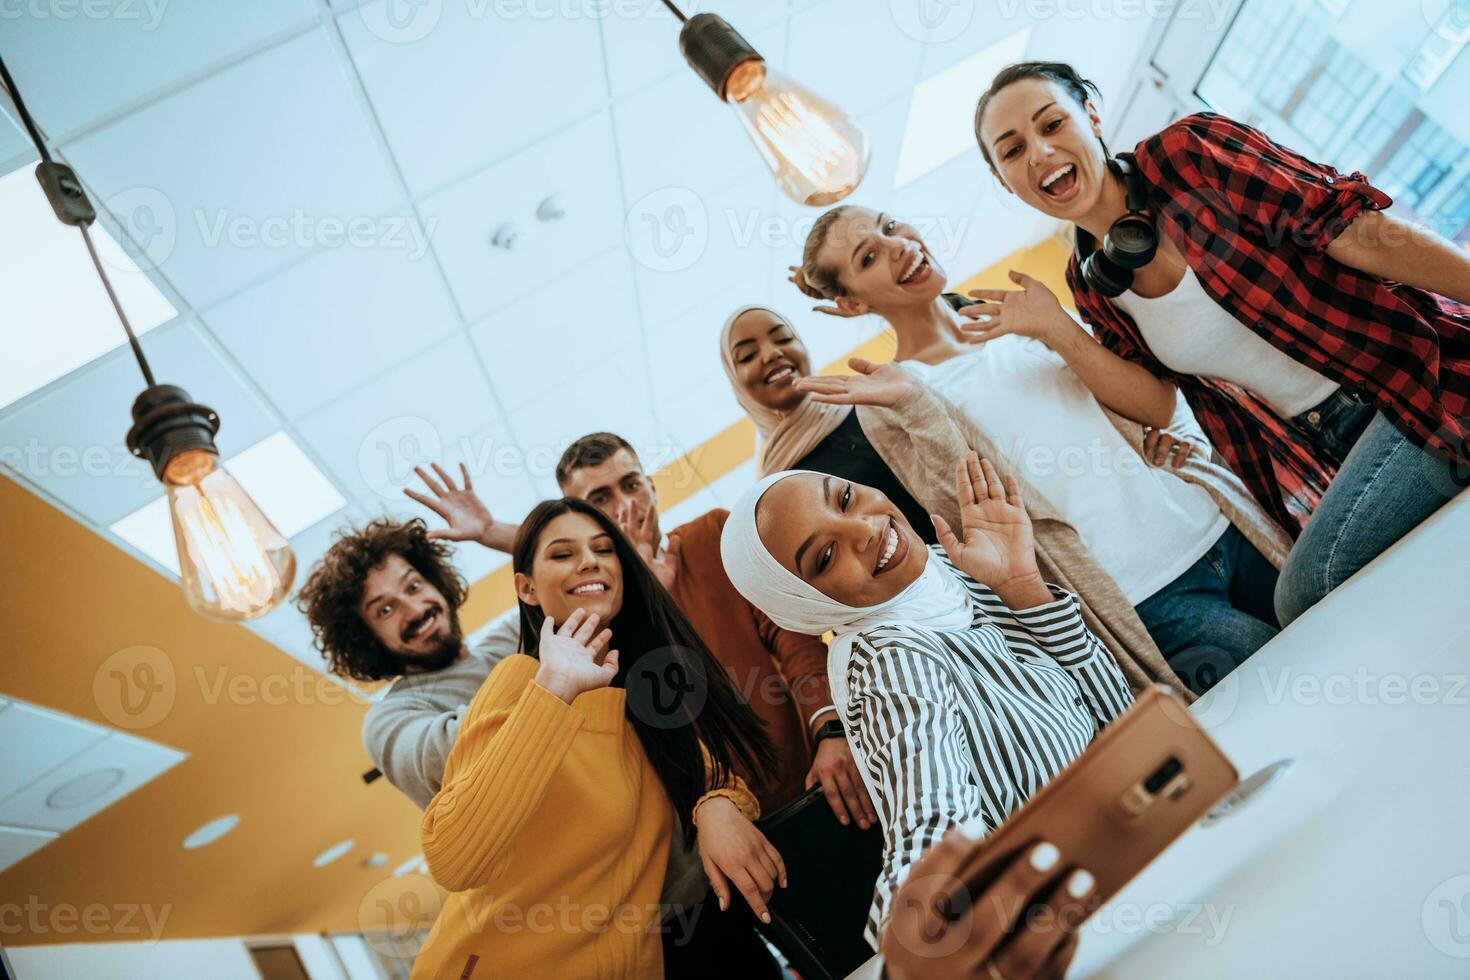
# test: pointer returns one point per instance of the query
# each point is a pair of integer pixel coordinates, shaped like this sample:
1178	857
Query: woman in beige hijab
902	440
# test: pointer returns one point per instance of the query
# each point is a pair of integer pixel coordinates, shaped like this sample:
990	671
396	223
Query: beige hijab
785	437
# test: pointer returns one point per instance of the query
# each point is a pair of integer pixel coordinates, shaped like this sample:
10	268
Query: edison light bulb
817	152
233	563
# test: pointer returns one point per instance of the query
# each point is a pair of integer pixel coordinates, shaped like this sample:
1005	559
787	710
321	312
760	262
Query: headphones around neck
1129	244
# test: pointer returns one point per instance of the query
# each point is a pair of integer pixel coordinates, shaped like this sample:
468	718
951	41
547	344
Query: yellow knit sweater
552	831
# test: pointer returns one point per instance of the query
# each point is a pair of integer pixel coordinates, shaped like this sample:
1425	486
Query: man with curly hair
384	603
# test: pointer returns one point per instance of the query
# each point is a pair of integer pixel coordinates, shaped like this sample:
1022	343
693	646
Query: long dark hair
657	647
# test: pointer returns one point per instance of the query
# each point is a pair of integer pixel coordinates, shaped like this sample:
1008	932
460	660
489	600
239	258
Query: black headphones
1129	244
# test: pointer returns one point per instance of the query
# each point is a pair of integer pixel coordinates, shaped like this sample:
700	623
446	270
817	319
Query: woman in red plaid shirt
1323	344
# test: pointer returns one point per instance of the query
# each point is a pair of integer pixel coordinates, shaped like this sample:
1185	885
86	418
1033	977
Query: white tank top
1192	334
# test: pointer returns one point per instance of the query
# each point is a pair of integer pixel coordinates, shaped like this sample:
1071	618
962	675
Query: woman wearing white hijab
960	699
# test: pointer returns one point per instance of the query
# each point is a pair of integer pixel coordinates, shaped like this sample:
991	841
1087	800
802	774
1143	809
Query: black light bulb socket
65	194
167	422
714	49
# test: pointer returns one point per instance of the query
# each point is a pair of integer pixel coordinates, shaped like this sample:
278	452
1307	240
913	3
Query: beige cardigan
925	434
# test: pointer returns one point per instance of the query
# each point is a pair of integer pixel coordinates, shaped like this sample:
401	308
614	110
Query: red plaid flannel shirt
1253	220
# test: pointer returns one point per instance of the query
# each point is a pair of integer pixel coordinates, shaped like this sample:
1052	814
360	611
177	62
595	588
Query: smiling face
1045	147
406	613
768	358
618	487
881	262
574	566
847	540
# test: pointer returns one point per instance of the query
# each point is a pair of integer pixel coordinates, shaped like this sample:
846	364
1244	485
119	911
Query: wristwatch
829	729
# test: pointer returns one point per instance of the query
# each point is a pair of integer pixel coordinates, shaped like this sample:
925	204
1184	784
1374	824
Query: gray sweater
411	728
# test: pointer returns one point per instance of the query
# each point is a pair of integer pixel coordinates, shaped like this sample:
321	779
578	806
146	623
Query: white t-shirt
1144	524
1192	334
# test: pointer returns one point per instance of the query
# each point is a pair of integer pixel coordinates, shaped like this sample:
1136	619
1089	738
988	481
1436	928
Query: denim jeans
1384	488
1210	619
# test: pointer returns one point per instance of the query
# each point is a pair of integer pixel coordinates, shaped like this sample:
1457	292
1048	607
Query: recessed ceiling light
84	788
57	314
332	853
941	123
287	487
212	831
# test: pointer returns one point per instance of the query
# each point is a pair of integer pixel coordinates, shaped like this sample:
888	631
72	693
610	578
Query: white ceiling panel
113	54
371	439
37	741
244	172
14	146
88	782
331	323
854	55
578	168
595	317
643	38
18	843
691	250
459	85
689	345
703	408
611	397
69	439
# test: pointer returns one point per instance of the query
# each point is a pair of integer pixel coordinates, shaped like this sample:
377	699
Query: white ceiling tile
577	168
132	50
36	741
58	315
458	85
88	782
852	54
611	397
14	144
643	38
289	489
730	487
556	332
69	439
371	439
654	127
326	325
18	843
689	346
942	110
244	172
704	246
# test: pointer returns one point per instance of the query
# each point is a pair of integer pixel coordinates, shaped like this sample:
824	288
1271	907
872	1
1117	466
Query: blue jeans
1210	619
1384	488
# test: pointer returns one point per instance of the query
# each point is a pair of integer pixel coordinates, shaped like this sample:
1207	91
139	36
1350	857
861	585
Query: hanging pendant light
817	152
233	563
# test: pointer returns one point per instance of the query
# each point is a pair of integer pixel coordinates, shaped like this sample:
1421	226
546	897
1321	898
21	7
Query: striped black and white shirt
951	726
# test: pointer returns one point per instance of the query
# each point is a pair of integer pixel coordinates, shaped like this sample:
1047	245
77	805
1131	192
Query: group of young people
1003	533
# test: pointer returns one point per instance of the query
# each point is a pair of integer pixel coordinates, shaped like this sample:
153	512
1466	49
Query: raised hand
464	512
998	548
639	530
1031	311
874	384
574	657
1163	448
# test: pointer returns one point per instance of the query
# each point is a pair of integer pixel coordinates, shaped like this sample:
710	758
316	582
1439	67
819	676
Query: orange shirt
781	675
